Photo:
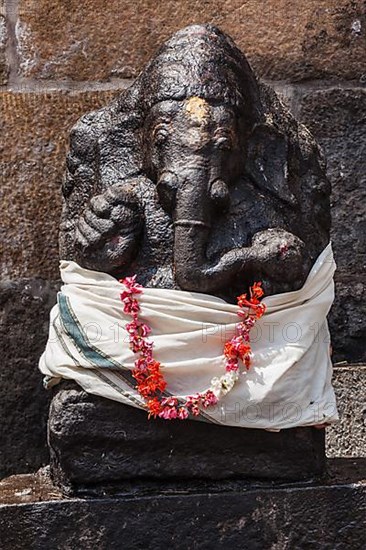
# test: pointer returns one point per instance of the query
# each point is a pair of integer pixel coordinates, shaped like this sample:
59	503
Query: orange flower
257	289
144	390
154	366
151	383
243	301
230	351
243	351
259	310
154	407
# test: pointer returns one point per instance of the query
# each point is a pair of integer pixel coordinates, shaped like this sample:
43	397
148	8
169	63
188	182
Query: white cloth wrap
288	384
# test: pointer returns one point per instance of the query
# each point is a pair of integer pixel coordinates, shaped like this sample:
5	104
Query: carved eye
224	144
160	134
223	141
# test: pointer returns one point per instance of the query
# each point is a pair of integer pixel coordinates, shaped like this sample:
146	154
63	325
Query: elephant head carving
196	177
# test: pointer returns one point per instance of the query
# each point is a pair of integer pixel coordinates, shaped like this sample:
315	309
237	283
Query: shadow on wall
24	311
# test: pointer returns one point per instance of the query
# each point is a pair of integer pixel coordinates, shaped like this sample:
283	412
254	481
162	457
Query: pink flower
168	413
136	343
191	400
209	399
232	365
131	306
248	322
195	410
169	402
136	327
132	327
244	332
150	381
132	285
144	330
146	348
141	364
183	413
126	294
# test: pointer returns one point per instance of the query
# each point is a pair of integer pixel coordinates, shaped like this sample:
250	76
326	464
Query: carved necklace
150	382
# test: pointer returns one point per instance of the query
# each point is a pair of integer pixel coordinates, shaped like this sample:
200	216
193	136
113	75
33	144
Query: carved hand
280	255
107	232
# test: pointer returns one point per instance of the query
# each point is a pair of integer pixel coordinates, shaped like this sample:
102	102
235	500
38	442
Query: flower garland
147	373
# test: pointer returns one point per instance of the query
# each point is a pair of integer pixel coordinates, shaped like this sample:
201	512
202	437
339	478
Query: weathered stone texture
96	444
24	309
283	39
34	143
187	515
337	118
24	402
4	69
348	438
33	146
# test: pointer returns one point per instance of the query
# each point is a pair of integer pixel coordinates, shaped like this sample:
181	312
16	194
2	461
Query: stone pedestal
189	515
96	444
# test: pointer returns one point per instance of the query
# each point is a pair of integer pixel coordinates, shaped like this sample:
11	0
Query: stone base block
188	515
96	444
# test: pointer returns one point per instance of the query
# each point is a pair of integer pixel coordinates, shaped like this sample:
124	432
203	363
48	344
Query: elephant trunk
192	223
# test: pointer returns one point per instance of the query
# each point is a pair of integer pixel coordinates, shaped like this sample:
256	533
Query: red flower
256	292
150	381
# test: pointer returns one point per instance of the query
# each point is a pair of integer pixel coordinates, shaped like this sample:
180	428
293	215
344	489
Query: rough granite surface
283	39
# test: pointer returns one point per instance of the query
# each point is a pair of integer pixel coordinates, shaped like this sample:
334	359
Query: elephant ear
104	150
267	162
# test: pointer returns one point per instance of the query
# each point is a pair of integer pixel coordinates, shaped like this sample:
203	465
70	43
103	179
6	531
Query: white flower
216	386
221	386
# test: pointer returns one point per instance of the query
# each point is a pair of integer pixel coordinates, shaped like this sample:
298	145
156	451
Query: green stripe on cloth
95	356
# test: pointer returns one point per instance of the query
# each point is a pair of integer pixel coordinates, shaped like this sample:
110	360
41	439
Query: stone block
283	39
348	438
34	133
189	515
97	443
336	117
24	309
4	69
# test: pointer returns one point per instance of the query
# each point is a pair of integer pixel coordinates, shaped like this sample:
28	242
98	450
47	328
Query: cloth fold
288	384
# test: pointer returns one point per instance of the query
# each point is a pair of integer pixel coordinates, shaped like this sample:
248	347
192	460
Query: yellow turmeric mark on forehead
197	109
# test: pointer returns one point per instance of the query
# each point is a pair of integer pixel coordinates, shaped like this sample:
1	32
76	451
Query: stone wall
61	59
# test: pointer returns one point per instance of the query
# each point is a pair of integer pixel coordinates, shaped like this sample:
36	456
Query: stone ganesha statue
196	178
